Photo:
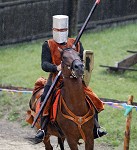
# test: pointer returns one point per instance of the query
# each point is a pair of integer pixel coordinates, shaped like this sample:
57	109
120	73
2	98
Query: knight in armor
51	62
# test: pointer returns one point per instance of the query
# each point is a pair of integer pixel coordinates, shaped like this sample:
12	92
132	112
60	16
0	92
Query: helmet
60	28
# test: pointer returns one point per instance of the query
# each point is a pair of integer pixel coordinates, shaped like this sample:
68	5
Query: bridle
70	67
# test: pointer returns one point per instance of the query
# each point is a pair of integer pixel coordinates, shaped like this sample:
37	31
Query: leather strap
79	120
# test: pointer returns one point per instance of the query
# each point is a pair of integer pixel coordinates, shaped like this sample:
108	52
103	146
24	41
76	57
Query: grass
20	66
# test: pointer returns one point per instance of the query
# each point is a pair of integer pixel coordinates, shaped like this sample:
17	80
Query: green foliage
21	66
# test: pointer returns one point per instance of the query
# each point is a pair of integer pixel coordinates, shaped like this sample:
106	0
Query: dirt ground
12	137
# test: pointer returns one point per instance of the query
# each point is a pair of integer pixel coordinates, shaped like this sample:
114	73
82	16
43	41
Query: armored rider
51	62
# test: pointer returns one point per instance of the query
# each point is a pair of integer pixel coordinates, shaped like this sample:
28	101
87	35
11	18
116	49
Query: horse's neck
73	86
73	94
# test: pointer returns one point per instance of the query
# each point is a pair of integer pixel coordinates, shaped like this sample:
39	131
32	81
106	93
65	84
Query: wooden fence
24	20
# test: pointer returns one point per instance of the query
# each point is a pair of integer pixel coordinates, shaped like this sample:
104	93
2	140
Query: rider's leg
43	119
41	132
98	132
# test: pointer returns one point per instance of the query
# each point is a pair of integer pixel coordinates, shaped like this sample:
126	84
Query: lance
85	23
59	73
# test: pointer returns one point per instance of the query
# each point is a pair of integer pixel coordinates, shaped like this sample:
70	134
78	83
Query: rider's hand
59	67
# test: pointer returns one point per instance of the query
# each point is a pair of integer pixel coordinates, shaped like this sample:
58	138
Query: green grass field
20	65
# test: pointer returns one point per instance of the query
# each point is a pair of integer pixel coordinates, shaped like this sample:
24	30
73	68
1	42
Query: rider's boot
98	131
42	132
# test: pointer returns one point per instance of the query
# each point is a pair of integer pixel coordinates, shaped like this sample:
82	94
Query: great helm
60	28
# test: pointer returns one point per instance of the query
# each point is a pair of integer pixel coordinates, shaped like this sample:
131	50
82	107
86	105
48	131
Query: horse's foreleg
72	144
89	144
47	143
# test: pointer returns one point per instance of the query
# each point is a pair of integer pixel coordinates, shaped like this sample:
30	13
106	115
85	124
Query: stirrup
101	129
40	130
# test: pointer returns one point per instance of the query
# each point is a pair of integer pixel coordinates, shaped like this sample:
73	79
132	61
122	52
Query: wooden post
128	123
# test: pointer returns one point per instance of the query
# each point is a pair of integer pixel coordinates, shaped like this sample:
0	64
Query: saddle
50	107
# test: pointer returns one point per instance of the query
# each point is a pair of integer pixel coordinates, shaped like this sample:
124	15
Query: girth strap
79	120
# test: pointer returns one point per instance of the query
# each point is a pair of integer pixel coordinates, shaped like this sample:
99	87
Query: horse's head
72	66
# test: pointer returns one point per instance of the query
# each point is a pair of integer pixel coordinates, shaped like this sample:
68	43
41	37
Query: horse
75	114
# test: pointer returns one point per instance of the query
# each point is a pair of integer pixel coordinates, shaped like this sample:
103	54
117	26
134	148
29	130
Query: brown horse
75	115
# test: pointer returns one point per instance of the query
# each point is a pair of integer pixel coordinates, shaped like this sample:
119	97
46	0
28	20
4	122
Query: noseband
70	67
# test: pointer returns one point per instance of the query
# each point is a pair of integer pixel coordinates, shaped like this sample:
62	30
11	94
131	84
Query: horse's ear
61	50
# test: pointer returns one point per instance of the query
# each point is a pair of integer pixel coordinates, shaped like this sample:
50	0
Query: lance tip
97	1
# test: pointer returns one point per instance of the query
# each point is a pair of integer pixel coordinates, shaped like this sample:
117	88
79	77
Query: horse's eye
64	57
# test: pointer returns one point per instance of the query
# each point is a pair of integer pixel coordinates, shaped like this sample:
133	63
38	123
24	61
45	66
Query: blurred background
26	20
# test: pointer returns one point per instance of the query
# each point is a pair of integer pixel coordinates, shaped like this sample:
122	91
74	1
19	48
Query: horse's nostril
76	66
80	66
